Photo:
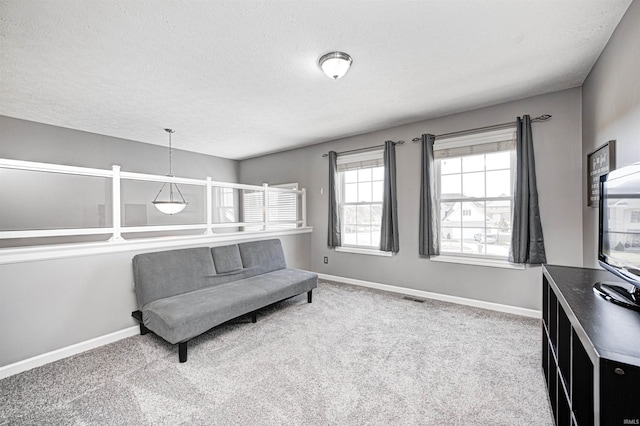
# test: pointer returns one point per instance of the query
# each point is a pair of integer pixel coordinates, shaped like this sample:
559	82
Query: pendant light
173	202
335	64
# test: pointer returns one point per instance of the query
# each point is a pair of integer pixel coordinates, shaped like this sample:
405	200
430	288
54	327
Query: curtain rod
544	117
363	149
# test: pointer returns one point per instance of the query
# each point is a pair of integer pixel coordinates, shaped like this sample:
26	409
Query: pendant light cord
170	131
174	205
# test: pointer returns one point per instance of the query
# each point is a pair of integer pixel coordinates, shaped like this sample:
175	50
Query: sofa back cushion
168	273
226	258
261	257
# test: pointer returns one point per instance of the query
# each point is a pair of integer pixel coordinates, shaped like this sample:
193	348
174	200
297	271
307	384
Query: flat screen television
619	235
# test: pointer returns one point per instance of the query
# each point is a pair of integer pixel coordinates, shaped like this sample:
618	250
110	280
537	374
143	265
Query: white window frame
461	142
377	154
222	195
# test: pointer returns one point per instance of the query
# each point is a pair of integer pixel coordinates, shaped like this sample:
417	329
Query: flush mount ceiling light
335	64
173	202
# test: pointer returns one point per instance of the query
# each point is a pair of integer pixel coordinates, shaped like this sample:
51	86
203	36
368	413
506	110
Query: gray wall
558	153
611	110
31	141
52	304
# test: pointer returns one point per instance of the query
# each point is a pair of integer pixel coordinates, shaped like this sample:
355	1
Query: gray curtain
527	242
333	234
429	241
389	240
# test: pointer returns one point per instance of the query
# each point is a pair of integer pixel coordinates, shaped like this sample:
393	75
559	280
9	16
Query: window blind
475	144
283	206
360	160
252	206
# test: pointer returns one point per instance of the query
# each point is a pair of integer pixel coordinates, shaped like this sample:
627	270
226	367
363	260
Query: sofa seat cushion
182	317
284	283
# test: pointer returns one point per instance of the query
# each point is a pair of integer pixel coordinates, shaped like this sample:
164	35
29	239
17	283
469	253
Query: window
361	178
252	208
225	203
474	190
284	207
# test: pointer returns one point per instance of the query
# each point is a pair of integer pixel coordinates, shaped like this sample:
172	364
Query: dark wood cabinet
590	351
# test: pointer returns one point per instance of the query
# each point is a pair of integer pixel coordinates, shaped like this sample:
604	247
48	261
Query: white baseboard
36	361
532	313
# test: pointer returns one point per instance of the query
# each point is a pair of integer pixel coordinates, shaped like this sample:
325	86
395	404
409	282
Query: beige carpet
352	357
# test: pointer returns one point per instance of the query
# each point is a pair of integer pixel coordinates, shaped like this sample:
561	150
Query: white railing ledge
60	251
6	163
156	178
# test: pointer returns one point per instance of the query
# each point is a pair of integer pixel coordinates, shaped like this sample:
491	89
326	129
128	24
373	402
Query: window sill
370	252
477	261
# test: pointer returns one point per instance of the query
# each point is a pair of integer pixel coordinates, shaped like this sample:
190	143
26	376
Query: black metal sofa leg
309	296
143	330
137	315
182	351
254	317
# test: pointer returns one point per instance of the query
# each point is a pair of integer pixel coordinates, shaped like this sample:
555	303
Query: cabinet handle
619	371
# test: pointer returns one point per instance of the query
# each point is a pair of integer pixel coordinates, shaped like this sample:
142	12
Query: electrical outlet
326	259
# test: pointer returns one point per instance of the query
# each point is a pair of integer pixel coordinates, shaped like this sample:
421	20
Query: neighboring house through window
474	188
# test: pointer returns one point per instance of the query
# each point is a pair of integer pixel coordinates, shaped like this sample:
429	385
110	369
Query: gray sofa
183	293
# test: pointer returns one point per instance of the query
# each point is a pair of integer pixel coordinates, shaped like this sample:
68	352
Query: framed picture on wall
599	163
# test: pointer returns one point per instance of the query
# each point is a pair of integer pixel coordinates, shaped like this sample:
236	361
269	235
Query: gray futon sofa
183	293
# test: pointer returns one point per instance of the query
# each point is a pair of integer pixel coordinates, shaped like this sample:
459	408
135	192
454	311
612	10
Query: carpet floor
354	356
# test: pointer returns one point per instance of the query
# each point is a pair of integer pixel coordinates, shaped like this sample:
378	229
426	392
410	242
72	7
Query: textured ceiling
239	78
